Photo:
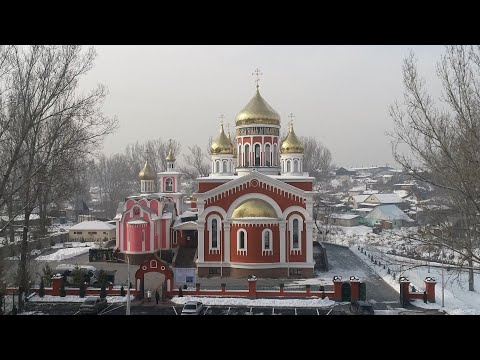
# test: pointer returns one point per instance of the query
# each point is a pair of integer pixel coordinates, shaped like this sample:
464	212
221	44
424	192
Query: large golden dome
254	208
170	156
147	172
221	144
257	111
291	144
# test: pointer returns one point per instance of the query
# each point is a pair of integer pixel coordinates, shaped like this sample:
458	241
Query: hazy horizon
339	94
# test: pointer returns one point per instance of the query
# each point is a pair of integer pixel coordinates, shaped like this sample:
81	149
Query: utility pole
443	285
128	285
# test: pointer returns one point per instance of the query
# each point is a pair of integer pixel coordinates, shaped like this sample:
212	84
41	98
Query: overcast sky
339	94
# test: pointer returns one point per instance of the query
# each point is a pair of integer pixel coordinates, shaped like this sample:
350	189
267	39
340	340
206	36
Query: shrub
47	275
41	291
103	291
82	291
63	293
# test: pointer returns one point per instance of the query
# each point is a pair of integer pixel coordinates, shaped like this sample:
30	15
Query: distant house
385	199
354	201
92	231
344	174
390	214
344	219
357	190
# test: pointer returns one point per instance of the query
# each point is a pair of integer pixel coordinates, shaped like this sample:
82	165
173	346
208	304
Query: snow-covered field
66	253
310	302
77	299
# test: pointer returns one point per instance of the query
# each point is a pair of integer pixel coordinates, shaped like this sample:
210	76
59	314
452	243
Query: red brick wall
254	244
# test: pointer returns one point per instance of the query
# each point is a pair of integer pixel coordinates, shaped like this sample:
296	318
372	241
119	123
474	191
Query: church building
251	216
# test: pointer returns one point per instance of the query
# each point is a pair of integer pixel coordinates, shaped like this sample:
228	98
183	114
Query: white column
309	244
282	227
226	240
152	235
201	233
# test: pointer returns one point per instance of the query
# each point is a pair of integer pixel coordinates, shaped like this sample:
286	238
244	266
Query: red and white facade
258	220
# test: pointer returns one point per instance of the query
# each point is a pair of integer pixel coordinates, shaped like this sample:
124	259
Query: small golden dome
257	111
170	156
221	144
147	173
291	144
254	208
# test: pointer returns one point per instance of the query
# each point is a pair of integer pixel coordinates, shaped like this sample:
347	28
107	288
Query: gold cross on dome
257	73
291	116
221	117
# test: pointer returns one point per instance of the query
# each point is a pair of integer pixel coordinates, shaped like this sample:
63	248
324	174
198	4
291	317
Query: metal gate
363	291
346	291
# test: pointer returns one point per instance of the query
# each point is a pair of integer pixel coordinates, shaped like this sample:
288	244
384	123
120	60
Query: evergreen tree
41	291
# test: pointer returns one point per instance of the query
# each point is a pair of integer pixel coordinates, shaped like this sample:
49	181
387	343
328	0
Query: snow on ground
67	253
457	299
309	302
74	244
77	299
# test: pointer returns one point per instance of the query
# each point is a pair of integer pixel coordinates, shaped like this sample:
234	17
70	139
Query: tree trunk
23	276
11	227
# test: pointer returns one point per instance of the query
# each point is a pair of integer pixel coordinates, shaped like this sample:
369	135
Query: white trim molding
211	248
295	250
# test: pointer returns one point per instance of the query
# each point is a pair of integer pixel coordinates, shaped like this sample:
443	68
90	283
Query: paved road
345	263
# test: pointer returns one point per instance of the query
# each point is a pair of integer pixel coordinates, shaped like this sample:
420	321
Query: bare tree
438	141
317	160
196	165
47	124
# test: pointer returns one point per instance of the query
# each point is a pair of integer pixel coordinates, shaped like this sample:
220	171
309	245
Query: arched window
289	166
239	155
267	240
169	184
241	241
225	166
217	166
295	235
275	155
257	155
247	154
295	165
283	166
268	160
214	233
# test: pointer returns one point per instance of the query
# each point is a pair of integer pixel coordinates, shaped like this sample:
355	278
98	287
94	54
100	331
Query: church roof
221	144
257	111
147	173
291	144
254	208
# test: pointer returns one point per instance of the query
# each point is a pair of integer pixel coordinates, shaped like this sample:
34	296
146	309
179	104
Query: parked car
360	307
93	305
192	308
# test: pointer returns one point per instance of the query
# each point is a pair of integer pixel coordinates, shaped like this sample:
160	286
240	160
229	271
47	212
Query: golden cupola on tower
291	144
147	173
221	144
170	156
257	111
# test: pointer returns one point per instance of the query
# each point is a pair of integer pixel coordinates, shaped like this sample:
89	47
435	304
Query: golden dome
257	111
221	144
170	156
291	144
147	173
254	208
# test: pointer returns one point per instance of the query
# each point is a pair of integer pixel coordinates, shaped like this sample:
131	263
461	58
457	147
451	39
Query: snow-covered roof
357	188
360	198
370	192
362	210
402	193
93	225
388	212
388	198
188	213
344	216
188	225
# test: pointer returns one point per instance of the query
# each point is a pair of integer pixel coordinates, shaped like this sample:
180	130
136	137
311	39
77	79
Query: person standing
149	295
157	296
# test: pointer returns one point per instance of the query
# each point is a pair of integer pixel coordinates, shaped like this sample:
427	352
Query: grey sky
340	94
